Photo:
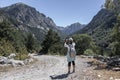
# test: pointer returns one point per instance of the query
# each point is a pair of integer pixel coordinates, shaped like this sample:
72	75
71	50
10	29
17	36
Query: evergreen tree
51	39
116	38
30	44
109	4
6	31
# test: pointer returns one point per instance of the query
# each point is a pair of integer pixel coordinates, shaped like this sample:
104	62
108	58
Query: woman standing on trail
71	53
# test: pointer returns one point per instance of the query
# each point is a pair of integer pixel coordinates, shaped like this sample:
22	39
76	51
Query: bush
96	49
63	51
21	56
88	52
30	43
6	48
55	49
115	47
13	40
82	42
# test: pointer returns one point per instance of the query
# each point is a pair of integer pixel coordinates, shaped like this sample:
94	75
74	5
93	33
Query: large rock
111	62
4	60
114	62
12	55
16	62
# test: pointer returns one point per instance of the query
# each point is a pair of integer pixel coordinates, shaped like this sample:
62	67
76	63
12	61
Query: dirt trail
52	68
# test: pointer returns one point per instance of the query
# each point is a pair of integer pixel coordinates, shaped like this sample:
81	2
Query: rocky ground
49	67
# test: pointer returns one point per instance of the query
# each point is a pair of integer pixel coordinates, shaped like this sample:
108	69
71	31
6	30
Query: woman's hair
70	40
67	41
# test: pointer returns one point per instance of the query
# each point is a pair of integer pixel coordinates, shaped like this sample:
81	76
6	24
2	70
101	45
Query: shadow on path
62	76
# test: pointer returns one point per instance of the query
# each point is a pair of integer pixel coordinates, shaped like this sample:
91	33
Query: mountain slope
30	20
100	27
71	28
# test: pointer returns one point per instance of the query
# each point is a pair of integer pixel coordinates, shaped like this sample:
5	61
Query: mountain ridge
28	19
100	27
71	28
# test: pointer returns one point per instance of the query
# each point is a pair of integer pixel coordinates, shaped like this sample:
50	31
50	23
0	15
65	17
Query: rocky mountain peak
74	24
71	28
28	19
18	5
28	15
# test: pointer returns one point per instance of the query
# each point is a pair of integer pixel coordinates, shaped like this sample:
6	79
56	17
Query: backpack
72	51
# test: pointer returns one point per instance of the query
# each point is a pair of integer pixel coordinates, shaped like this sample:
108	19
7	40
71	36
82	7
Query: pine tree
109	4
50	40
6	31
30	44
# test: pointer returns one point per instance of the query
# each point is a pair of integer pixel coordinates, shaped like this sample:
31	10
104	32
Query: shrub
82	42
89	52
21	56
55	49
6	48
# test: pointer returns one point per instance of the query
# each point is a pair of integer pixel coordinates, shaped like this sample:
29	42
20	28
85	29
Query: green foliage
115	45
18	40
6	38
109	4
21	56
95	48
85	45
82	42
6	31
6	48
100	28
55	49
113	5
30	43
15	40
63	51
116	33
51	43
89	52
22	53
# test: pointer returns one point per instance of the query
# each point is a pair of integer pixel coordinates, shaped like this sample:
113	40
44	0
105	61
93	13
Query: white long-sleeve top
72	46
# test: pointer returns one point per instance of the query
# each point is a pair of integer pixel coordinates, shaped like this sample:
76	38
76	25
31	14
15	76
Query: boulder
27	61
16	62
3	60
12	55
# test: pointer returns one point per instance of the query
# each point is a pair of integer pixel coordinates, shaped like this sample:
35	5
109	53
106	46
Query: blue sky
63	12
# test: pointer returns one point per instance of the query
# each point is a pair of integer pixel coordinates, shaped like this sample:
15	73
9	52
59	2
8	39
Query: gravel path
51	68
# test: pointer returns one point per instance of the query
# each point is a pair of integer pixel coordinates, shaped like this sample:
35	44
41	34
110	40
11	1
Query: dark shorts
69	63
